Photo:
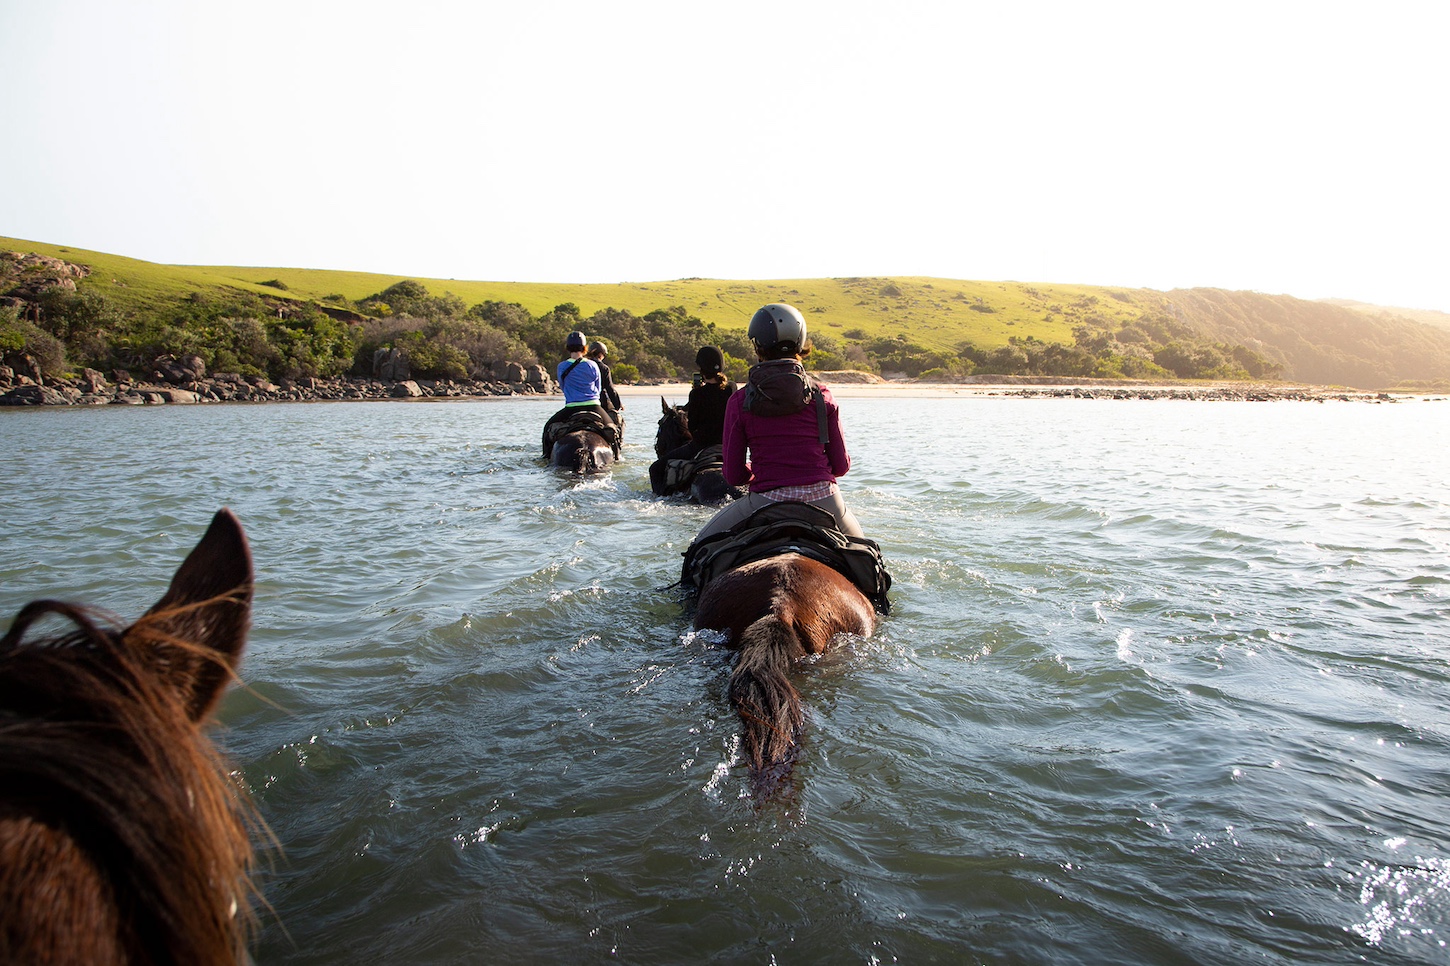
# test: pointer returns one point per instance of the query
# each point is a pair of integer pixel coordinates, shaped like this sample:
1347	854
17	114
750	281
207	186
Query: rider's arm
732	448
836	454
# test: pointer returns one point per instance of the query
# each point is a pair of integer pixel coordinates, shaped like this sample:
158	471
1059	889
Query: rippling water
1164	682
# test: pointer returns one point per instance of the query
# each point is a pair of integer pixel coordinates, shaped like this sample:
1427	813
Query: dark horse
122	837
777	611
580	445
702	477
582	451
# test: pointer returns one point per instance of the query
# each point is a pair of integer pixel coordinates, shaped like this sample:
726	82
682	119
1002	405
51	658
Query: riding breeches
736	512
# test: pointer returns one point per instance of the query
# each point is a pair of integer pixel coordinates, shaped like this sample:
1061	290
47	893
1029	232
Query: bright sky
1284	147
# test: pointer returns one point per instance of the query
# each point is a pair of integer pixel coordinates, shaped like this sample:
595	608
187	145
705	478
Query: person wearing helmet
782	433
578	376
704	413
608	397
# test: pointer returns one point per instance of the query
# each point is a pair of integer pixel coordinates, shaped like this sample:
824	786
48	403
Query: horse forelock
98	750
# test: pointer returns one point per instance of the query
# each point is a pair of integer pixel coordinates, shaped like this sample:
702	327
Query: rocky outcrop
25	275
391	365
184	380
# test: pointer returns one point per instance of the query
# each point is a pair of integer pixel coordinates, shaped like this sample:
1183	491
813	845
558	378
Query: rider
579	377
787	460
704	412
608	396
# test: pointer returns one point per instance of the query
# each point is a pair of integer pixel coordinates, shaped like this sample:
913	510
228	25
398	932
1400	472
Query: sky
1292	148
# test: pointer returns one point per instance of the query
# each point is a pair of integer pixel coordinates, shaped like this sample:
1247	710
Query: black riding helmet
575	342
778	327
709	360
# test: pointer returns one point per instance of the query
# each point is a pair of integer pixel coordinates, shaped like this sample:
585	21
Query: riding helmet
709	360
575	342
779	327
600	346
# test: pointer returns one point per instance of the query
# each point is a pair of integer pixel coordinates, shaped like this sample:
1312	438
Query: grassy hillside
1308	341
936	313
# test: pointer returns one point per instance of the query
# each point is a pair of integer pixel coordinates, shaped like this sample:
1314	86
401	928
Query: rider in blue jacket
580	379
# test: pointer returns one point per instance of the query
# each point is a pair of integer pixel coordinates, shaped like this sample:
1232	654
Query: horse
583	452
776	611
579	446
706	479
122	837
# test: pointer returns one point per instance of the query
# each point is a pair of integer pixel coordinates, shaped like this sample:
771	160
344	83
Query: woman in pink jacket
783	432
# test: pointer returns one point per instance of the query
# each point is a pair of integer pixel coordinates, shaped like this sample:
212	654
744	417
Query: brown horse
777	611
122	837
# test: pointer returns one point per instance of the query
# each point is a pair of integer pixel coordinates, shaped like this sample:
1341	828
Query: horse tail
761	691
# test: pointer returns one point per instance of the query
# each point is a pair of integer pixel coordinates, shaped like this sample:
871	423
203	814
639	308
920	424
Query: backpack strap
567	371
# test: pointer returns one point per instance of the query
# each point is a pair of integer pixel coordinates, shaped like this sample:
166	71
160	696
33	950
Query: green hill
903	324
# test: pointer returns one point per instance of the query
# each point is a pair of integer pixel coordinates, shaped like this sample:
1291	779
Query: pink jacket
783	450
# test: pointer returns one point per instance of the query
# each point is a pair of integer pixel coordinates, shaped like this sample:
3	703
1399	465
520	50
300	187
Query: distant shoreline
1083	389
844	385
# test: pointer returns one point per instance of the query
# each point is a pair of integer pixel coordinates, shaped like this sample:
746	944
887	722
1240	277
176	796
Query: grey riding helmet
575	342
599	347
779	327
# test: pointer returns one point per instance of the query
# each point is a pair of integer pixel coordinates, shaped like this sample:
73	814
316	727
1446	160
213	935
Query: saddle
790	527
584	421
680	473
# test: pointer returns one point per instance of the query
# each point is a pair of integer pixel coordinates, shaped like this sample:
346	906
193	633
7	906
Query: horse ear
664	406
209	603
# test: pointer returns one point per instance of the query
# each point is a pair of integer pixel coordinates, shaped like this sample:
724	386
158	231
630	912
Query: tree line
247	333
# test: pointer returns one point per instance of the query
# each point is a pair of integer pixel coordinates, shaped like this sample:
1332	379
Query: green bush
18	335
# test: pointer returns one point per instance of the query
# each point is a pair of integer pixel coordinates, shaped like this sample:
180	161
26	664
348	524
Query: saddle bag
679	473
790	527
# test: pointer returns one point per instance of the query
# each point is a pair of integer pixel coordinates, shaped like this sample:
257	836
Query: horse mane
123	837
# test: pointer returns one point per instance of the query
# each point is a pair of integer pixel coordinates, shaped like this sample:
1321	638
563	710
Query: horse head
674	429
123	837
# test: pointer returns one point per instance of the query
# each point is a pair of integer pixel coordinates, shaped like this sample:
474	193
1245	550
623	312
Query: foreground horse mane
777	611
122	836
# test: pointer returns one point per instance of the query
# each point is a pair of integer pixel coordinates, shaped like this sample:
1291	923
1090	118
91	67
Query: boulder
407	389
391	365
93	383
173	371
33	395
23	364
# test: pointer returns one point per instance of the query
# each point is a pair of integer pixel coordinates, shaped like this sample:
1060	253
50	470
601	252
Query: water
1164	682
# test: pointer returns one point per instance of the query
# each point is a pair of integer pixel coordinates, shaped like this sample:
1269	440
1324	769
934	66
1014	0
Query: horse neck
146	831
